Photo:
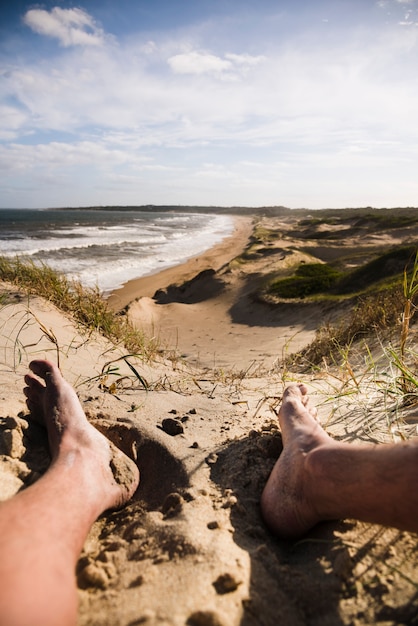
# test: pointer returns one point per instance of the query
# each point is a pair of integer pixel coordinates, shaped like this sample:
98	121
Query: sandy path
215	324
228	330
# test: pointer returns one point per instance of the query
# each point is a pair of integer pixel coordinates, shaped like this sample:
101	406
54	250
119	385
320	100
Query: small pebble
230	502
13	444
225	583
213	525
172	426
172	505
137	582
93	576
204	618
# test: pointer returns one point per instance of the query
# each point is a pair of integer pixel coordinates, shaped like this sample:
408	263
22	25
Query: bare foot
287	503
108	476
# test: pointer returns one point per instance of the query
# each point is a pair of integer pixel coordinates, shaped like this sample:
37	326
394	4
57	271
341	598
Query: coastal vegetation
308	279
380	314
86	305
364	290
378	296
381	310
386	220
333	281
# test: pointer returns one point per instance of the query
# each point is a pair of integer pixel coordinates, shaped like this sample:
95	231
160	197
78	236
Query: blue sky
211	102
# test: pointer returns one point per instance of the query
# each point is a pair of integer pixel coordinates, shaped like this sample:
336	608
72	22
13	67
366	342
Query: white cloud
72	27
56	156
297	95
149	48
11	120
245	60
137	110
294	88
198	63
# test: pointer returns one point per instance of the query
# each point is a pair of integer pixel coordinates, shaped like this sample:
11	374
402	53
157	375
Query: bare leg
43	528
317	478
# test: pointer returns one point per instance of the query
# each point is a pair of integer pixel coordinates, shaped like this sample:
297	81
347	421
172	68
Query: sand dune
191	547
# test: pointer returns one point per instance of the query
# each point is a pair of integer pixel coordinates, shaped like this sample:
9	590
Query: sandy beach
191	549
214	257
204	311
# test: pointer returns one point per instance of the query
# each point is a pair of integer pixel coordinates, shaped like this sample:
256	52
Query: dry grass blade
86	305
410	289
110	369
49	334
139	377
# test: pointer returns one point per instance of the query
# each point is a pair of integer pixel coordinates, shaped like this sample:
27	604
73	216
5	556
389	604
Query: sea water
106	248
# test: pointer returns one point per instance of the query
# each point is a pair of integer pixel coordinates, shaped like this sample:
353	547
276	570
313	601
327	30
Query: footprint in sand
169	550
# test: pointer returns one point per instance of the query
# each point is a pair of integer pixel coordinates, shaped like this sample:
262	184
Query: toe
44	369
33	383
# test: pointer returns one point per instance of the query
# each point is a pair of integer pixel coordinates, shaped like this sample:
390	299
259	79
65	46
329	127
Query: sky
299	103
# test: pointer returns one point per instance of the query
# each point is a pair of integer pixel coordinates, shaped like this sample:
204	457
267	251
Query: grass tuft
379	311
332	282
309	279
86	305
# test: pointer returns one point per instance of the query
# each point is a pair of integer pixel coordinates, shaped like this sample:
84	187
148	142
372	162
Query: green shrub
388	221
309	279
386	266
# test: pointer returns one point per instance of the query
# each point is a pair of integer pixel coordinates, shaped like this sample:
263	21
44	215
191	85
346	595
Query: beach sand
214	257
204	310
191	548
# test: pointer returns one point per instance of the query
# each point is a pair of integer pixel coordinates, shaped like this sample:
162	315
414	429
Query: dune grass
384	314
379	311
309	279
333	281
86	305
380	220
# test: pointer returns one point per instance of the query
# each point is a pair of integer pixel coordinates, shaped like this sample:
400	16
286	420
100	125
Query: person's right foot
287	503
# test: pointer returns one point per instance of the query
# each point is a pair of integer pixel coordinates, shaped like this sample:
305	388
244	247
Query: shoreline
214	258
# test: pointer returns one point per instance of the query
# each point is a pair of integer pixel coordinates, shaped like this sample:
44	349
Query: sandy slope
211	318
191	547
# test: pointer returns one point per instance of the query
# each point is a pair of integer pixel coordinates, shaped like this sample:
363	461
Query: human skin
43	528
317	478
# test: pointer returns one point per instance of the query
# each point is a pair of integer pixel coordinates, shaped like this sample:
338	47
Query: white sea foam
155	257
108	249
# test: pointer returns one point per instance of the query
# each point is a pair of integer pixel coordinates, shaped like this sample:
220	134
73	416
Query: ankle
321	471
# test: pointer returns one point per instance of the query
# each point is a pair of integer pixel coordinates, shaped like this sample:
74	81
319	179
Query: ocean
106	248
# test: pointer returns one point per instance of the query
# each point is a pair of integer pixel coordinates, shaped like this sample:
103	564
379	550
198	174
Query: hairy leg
317	478
43	528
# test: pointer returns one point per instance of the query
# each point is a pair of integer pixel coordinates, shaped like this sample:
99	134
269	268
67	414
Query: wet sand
214	258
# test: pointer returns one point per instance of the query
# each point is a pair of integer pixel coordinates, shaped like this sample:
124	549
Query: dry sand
216	257
191	548
205	311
